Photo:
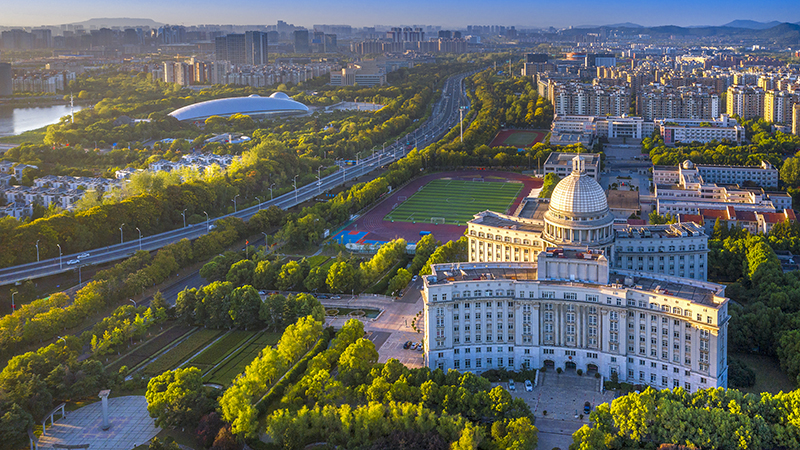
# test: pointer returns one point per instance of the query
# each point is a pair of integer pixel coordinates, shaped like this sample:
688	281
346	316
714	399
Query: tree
178	398
355	362
186	304
272	310
790	171
550	182
291	275
399	281
225	440
241	272
245	304
163	444
209	427
14	425
341	277
315	281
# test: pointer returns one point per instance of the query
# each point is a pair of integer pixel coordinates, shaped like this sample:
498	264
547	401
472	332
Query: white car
83	255
511	386
73	261
528	385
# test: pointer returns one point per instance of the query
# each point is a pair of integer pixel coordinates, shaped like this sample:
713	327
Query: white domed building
277	104
577	216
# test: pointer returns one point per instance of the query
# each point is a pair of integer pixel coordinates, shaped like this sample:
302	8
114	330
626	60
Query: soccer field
455	201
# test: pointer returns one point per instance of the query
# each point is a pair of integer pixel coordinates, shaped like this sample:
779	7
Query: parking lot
563	397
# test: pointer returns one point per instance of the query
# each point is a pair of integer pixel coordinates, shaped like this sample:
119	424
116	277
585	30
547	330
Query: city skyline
446	13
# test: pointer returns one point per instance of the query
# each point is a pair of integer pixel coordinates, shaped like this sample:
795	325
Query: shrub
597	375
580	372
559	370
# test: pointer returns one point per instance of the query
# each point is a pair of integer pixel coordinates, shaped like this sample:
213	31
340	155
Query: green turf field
524	138
457	201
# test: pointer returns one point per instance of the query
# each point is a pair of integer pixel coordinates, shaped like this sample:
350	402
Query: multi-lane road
444	116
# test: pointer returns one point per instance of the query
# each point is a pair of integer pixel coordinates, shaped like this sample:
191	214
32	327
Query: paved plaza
562	396
131	425
392	328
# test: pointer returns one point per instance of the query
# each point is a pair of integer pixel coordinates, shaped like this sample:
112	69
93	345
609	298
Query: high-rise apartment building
5	80
746	102
778	106
249	48
301	43
796	120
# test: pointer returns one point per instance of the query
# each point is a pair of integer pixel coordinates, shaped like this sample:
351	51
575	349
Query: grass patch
370	313
149	348
317	260
29	137
241	358
769	376
382	285
457	201
185	438
222	348
173	357
524	138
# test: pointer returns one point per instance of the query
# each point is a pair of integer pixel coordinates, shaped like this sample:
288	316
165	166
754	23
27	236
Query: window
568	296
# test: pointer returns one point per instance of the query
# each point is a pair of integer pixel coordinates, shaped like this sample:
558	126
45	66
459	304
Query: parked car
262	292
322	296
407	345
73	261
511	386
587	408
528	385
414	278
83	255
419	348
414	346
336	297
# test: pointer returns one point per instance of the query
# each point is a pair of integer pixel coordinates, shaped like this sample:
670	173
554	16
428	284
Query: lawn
150	348
29	137
524	138
178	354
769	376
456	201
317	260
241	358
222	348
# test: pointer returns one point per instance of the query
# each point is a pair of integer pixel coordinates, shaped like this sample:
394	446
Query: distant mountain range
752	24
781	34
119	22
747	24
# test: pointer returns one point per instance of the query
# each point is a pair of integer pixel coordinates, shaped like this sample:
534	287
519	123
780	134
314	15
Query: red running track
384	230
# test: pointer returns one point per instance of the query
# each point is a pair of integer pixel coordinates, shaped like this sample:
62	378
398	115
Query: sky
359	13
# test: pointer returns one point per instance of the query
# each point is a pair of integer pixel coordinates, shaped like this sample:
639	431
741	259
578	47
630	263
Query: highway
444	116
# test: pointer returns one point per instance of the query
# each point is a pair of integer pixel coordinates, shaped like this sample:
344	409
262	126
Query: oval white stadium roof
254	105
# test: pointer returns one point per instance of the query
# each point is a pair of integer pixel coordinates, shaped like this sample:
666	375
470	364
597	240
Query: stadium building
563	289
277	104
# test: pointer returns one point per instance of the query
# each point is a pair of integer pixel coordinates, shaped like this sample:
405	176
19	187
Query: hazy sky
450	13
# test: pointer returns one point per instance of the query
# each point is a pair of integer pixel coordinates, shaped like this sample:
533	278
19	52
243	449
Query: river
14	120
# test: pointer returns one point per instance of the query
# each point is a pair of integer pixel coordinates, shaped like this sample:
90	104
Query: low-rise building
674	131
765	175
561	164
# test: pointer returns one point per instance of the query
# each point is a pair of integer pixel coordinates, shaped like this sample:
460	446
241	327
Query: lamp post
60	265
235	210
37	250
80	278
266	243
461	121
134	303
121	239
140	237
294	182
13	307
259	202
207	228
183	213
270	192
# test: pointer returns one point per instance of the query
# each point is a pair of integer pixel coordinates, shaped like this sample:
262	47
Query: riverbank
29	137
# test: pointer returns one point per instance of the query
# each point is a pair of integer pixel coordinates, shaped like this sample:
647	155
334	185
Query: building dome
578	214
579	194
253	105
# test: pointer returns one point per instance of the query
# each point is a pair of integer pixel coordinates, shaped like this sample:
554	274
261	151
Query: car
419	347
336	297
322	296
414	346
83	255
511	386
262	292
587	408
528	385
73	261
414	278
407	345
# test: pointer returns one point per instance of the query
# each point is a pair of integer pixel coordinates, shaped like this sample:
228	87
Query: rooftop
493	219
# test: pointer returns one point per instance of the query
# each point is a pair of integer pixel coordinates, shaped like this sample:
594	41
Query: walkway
131	425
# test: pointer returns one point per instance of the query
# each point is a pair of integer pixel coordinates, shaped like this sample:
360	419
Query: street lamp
234	203
184	217
259	202
140	237
37	250
120	234
13	307
266	242
60	265
134	304
207	228
461	122
294	182
270	192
